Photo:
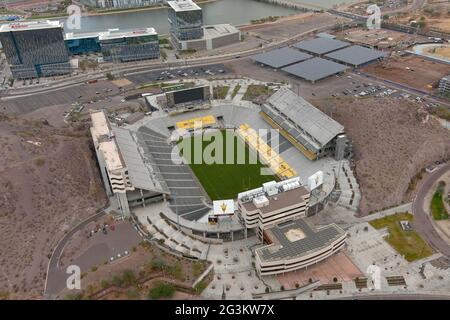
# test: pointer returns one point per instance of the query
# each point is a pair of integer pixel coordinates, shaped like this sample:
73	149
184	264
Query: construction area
379	38
411	70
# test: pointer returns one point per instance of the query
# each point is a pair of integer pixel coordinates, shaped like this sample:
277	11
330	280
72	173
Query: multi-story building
116	45
187	31
277	211
444	86
126	176
297	244
35	49
127	46
109	4
186	20
82	43
273	203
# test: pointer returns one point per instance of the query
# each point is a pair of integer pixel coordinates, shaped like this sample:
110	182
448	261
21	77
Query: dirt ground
49	182
436	14
393	140
426	73
290	26
379	38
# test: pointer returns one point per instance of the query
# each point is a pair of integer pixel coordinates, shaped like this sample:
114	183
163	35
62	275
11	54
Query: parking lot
178	73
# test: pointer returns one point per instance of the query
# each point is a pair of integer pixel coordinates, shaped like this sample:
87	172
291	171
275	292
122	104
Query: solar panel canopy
315	69
281	57
356	55
321	45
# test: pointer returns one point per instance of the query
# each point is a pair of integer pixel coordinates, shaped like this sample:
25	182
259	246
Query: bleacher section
187	198
310	130
266	154
290	135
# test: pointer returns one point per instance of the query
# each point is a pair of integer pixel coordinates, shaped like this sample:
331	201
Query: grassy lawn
437	204
407	243
222	180
220	92
235	91
254	91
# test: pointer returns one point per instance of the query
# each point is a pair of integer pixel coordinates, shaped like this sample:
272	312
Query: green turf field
222	180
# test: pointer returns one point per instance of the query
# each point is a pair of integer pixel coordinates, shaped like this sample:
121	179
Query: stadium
182	170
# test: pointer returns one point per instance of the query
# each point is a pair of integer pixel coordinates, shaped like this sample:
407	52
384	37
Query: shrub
199	287
39	162
104	284
128	277
117	281
161	290
157	264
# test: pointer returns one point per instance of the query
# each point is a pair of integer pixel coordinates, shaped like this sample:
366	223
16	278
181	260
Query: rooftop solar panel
321	45
356	55
281	57
315	69
314	239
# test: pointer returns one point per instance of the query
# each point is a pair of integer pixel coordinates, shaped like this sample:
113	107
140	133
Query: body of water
235	12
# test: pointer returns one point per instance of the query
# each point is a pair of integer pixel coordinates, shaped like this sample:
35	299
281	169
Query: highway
422	223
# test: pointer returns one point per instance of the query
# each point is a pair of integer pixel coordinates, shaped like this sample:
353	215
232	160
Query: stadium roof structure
315	69
281	57
310	119
356	55
321	45
297	238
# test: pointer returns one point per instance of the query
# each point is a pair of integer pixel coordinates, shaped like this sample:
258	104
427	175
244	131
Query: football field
222	179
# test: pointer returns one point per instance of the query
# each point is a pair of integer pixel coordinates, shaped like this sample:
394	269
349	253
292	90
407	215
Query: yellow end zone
196	123
266	153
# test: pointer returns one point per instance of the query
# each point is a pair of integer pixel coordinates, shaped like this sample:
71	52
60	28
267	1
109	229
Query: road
146	66
58	275
422	223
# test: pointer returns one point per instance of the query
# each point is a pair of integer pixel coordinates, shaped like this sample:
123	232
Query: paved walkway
407	207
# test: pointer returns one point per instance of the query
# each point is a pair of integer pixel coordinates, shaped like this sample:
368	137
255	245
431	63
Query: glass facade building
82	44
35	49
116	45
129	47
185	19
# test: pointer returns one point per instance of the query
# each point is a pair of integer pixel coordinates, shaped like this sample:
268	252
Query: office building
35	49
116	45
123	4
186	20
187	31
273	203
